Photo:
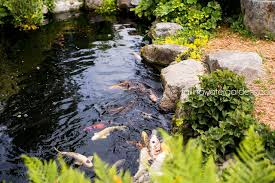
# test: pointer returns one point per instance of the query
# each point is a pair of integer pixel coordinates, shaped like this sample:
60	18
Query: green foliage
218	112
27	14
196	18
189	13
108	7
251	165
238	26
106	174
185	164
268	136
194	39
48	172
49	4
3	11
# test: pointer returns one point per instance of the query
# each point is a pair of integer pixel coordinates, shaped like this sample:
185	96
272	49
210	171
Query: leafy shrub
268	136
189	13
197	19
27	14
218	112
108	7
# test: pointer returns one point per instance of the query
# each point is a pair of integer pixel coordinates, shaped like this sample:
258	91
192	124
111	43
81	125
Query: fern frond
40	172
107	174
251	164
185	164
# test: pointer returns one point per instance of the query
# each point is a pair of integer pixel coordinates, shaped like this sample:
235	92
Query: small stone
25	115
19	115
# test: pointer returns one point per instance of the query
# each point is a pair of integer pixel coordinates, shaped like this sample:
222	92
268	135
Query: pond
56	81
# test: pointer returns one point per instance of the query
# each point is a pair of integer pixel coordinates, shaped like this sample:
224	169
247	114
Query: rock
177	79
162	54
259	16
61	6
164	29
93	4
248	64
135	2
124	4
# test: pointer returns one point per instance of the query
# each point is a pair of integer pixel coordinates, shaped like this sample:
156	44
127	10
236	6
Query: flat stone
62	6
247	64
259	16
162	55
177	79
164	29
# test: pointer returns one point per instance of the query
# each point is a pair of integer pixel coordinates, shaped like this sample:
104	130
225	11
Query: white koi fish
106	132
154	145
79	158
137	56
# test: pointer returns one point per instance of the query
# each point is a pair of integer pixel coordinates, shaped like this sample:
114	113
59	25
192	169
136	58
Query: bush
108	7
218	112
27	14
189	13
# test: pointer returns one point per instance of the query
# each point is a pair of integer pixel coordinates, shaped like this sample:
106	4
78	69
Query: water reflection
59	83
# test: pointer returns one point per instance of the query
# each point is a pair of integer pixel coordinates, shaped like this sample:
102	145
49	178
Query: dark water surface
56	81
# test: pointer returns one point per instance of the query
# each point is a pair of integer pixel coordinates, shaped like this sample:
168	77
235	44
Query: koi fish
95	126
106	132
154	145
79	158
137	56
152	96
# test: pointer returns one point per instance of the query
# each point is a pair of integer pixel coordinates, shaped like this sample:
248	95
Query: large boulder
164	29
162	55
177	79
61	6
248	64
259	16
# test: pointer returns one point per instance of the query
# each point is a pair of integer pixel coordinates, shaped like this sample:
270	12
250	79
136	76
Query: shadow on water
56	81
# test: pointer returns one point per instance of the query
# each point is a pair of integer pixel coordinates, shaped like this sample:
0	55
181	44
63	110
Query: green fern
48	172
251	164
106	174
185	164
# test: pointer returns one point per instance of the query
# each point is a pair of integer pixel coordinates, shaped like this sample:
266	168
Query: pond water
56	81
